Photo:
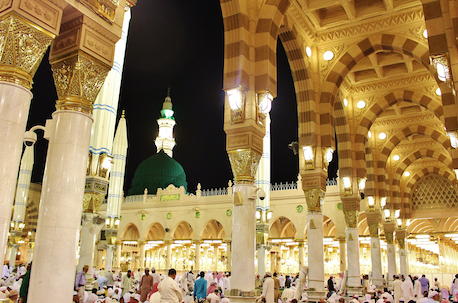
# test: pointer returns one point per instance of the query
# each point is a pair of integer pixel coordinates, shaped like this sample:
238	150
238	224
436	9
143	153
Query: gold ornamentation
111	236
351	218
104	8
402	243
78	79
244	163
373	230
92	202
22	46
314	198
389	237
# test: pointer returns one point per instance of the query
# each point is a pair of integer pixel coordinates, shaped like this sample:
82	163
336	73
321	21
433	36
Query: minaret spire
165	140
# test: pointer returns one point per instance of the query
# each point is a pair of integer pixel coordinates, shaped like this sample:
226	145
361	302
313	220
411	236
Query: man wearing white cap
397	289
433	297
268	288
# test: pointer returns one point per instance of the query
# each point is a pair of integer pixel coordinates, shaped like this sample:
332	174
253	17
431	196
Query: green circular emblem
143	217
299	208
169	216
229	212
120	217
339	206
197	214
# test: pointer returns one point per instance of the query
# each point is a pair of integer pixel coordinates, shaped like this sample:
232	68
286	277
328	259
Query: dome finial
168	91
123	114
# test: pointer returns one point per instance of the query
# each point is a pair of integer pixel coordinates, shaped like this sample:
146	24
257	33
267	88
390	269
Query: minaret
165	140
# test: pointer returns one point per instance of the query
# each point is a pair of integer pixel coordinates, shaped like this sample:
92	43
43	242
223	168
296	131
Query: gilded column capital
92	202
167	242
401	237
341	239
351	218
22	47
244	164
389	237
314	198
373	229
78	79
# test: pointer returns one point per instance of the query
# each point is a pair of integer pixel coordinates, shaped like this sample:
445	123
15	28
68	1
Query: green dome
158	171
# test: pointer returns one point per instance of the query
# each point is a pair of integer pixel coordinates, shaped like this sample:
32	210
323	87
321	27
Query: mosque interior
374	82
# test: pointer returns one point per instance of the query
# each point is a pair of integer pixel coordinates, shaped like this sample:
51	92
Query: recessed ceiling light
361	104
369	134
308	51
396	157
407	174
328	55
425	33
345	102
382	136
438	91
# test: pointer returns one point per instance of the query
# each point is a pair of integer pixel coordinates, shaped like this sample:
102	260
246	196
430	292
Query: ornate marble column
229	255
376	253
261	259
13	254
244	163
352	235
118	254
26	37
401	237
391	252
301	254
197	265
169	254
78	72
91	226
215	257
342	254
109	257
314	199
142	243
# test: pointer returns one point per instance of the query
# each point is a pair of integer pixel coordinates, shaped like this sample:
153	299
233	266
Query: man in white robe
417	289
407	290
397	289
209	278
169	289
268	288
282	281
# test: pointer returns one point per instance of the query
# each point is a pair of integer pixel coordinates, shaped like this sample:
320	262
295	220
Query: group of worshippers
14	283
133	287
293	291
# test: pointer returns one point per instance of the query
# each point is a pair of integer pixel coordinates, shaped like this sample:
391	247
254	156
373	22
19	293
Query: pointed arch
130	233
183	230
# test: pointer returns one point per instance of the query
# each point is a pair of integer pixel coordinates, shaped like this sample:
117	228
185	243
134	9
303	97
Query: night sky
180	44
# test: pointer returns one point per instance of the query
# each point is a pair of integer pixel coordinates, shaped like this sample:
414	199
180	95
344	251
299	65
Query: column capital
23	49
244	164
373	229
168	242
141	242
351	218
401	236
341	239
314	198
228	241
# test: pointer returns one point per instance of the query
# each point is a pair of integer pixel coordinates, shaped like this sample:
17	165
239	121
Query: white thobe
397	290
407	290
213	298
282	281
268	290
417	290
227	283
170	291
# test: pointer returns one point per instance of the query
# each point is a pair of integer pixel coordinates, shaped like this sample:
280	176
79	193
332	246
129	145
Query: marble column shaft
29	255
169	255
261	260
354	278
243	240
229	256
376	260
343	255
118	254
89	233
315	236
109	258
14	110
198	267
60	207
301	255
13	254
403	261
142	255
216	257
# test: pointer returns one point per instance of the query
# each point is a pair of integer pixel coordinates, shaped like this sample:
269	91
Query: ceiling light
345	102
328	55
382	136
425	33
369	134
438	91
361	104
396	157
407	174
308	51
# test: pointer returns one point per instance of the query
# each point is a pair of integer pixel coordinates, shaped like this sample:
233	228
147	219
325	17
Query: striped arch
435	22
348	60
306	106
441	170
370	182
392	142
421	226
329	228
373	112
237	44
449	224
269	20
395	186
346	167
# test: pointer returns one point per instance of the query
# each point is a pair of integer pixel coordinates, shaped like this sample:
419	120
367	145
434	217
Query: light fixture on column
263	106
327	156
397	213
309	156
236	99
442	64
382	202
371	203
258	214
104	165
269	215
399	223
347	186
387	213
453	135
361	184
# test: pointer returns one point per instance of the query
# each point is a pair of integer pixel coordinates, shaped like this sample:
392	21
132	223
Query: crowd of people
132	287
14	283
